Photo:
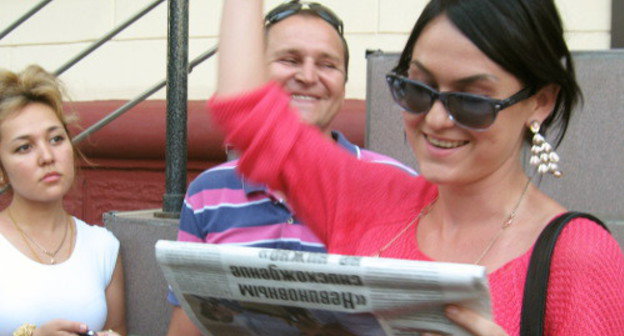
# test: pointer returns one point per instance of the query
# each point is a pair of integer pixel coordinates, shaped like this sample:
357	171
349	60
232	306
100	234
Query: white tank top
73	290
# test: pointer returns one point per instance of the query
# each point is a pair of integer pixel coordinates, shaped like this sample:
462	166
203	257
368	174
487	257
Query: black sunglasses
287	9
466	110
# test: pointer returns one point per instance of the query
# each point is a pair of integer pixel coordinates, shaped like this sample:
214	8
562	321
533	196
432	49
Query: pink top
358	213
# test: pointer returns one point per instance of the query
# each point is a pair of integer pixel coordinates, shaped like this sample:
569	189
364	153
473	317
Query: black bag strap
534	298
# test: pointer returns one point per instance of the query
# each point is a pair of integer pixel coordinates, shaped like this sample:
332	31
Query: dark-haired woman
477	78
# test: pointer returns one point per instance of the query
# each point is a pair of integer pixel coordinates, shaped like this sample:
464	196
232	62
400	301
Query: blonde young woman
60	276
476	79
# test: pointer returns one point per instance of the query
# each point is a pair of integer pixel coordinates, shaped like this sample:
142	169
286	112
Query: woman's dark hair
525	37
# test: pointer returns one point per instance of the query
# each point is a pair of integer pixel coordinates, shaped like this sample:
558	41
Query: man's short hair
311	13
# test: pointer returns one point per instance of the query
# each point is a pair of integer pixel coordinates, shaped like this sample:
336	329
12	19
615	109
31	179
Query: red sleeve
335	194
586	287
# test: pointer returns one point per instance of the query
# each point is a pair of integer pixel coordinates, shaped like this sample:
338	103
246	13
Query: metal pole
23	18
177	83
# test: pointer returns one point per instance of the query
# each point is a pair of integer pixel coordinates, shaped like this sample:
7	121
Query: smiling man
309	58
308	55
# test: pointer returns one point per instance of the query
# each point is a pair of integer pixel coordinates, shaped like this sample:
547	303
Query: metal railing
135	101
23	18
178	69
107	37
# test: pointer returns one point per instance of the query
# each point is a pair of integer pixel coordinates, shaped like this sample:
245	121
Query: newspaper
234	290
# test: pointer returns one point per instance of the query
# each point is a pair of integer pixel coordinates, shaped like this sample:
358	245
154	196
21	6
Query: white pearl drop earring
542	154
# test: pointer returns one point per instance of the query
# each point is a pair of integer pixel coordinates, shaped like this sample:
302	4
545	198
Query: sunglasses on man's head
290	8
466	110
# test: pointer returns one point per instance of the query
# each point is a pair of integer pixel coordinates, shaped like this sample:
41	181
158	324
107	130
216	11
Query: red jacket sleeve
335	194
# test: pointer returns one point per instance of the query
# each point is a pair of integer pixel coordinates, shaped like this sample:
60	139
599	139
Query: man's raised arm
241	64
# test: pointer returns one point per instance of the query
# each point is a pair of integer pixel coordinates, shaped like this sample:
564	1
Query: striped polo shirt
221	207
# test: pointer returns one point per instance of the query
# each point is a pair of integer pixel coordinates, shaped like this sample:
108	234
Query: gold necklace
505	224
487	249
26	238
421	214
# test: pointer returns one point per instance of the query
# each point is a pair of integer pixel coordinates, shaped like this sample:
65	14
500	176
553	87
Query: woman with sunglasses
476	78
60	276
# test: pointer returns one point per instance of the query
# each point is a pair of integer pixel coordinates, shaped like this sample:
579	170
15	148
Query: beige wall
136	59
